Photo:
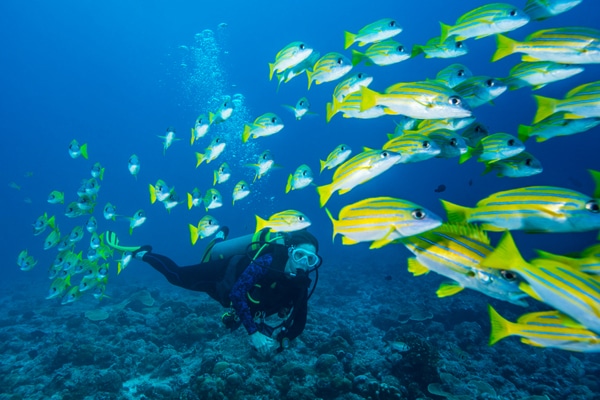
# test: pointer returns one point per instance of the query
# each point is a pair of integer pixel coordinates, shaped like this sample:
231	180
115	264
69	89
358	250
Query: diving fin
112	240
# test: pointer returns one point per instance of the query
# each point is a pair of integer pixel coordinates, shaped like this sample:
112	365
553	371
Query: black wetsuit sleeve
239	301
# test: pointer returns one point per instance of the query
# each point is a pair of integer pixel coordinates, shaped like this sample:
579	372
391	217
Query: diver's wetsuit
248	286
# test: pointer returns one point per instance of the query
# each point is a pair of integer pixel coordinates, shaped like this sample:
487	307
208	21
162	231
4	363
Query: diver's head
302	254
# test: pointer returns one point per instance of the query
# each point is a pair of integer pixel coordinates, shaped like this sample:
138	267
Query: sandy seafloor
177	348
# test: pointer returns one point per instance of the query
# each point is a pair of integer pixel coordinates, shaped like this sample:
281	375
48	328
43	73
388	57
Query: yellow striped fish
532	209
359	169
567	45
284	221
413	147
351	84
383	53
265	125
382	220
539	73
451	143
481	89
351	108
562	287
485	21
556	125
288	57
449	48
545	329
330	67
453	74
206	226
456	251
494	147
539	10
584	103
519	166
420	100
374	32
336	157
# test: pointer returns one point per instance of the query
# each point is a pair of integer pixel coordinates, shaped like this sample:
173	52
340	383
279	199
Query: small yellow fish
301	178
240	191
206	226
56	197
284	221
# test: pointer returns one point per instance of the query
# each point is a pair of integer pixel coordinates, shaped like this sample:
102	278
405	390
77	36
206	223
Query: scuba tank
252	245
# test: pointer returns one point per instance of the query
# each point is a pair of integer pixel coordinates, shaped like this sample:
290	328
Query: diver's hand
263	344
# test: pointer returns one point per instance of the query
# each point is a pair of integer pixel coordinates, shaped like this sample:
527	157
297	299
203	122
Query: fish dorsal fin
464	229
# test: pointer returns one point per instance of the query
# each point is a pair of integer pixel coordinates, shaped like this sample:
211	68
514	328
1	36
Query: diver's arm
252	274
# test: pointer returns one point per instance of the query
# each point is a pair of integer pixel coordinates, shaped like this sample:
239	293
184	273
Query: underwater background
116	74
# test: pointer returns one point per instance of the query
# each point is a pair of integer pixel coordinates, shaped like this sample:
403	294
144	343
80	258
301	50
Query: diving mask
307	257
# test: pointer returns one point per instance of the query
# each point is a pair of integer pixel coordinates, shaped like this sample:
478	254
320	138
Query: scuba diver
255	276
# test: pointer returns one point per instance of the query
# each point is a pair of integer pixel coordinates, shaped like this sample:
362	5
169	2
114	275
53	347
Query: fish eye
490	83
461	72
426	144
300	218
454	100
479	129
512	13
508	275
385	154
453	142
511	142
400	49
302	103
459	44
418	214
392	23
273	120
340	61
360	75
592	206
528	162
302	46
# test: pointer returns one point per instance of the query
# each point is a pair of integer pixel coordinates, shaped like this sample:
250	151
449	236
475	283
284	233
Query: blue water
115	75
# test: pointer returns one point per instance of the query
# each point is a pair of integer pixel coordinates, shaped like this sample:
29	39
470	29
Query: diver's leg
199	277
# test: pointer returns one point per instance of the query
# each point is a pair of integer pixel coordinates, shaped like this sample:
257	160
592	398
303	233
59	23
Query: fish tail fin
329	112
524	132
192	138
416	50
456	213
288	186
416	268
596	177
445	32
193	234
506	255
309	75
246	133
334	222
52	222
152	194
119	267
189	201
199	159
546	107
448	289
466	155
260	224
130	230
357	57
211	117
325	193
505	47
348	39
271	70
488	169
84	151
368	98
500	327
323	164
